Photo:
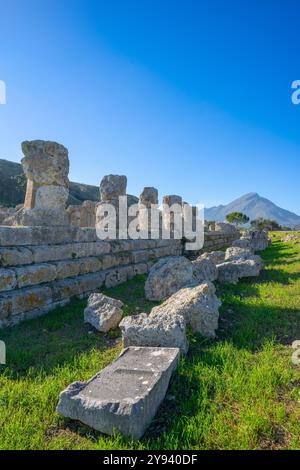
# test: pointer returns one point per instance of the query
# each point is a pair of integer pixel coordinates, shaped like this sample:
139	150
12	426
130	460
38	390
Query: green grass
239	392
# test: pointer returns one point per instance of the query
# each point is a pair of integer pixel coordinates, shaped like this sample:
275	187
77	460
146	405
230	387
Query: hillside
254	206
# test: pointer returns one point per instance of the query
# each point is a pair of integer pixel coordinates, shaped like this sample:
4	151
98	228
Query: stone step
125	396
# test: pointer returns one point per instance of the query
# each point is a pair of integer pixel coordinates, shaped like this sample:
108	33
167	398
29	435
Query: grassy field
238	392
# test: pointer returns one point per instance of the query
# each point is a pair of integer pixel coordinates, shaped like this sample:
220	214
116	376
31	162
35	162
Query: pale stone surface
216	257
167	276
235	253
112	186
102	312
199	306
7	279
172	199
66	269
125	396
204	270
155	330
46	163
43	217
37	274
24	300
232	271
51	197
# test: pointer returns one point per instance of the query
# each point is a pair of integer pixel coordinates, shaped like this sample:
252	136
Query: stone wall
43	267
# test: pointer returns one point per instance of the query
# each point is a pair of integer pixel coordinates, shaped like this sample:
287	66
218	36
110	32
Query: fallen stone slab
167	276
198	304
125	396
232	271
102	312
242	243
168	331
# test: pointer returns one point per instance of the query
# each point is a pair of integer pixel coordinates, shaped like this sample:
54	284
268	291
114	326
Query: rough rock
167	331
216	257
232	271
235	253
149	196
46	163
199	306
124	396
7	279
112	186
167	276
204	270
242	243
103	313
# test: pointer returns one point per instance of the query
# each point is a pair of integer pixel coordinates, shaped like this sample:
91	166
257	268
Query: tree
237	218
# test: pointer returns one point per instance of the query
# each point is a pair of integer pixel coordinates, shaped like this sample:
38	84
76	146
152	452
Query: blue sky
193	97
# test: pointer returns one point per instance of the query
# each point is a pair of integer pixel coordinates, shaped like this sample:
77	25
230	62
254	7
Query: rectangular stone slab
124	396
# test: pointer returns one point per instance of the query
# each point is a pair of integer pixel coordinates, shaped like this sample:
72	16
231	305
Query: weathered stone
112	186
46	163
232	271
102	312
242	243
89	265
125	396
149	196
167	276
216	257
236	253
199	306
119	275
224	227
7	279
43	217
204	270
51	197
67	268
155	330
5	308
24	300
90	282
36	274
15	256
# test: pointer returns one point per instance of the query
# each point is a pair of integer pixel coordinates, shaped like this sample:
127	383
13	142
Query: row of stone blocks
33	289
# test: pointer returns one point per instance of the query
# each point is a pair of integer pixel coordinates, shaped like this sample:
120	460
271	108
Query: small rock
103	312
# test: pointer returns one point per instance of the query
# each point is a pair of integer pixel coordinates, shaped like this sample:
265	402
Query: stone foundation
42	267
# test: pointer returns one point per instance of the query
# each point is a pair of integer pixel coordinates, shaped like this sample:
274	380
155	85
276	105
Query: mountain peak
254	206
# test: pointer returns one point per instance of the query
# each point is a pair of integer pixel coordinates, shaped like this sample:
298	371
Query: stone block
125	396
102	312
35	274
15	256
7	280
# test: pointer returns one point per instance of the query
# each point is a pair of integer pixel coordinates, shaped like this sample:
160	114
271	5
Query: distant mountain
13	187
254	206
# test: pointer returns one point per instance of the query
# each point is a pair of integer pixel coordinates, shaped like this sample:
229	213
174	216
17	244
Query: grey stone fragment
204	270
102	312
232	271
167	276
125	396
167	331
199	306
112	186
216	257
235	253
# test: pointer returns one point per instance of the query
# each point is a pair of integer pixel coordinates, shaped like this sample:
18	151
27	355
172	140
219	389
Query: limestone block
7	279
167	276
35	274
199	306
125	396
65	289
119	275
204	270
90	282
89	265
167	331
102	312
15	256
67	268
5	307
24	300
51	197
112	186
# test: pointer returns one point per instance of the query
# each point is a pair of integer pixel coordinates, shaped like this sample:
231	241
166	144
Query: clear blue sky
193	97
